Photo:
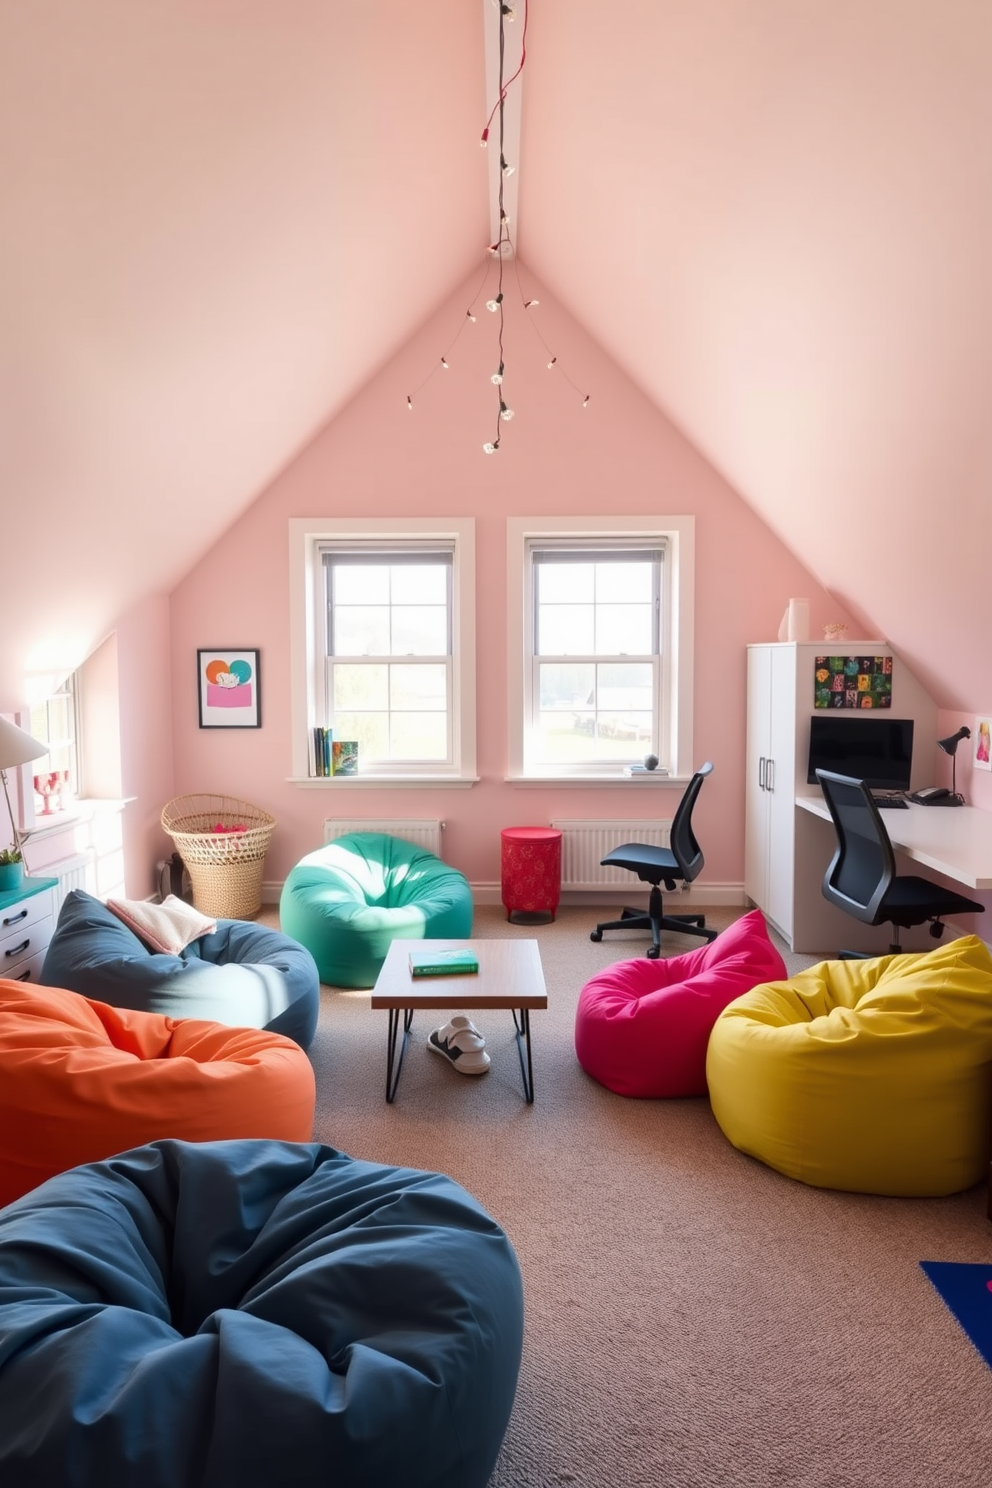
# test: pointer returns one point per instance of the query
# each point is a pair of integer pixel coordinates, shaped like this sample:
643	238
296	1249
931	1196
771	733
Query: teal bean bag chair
348	901
254	1314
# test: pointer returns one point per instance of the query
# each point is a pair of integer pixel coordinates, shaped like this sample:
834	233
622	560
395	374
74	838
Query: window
55	723
600	645
384	644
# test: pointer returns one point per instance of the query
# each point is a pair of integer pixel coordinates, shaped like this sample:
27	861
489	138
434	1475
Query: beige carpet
693	1319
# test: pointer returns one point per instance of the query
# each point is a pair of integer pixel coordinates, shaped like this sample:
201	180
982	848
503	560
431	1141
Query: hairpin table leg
394	1054
521	1022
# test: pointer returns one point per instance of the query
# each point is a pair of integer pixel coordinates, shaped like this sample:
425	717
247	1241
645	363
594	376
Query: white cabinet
771	781
27	921
786	850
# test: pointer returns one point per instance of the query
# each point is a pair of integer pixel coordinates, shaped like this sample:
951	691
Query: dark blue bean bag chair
244	975
251	1314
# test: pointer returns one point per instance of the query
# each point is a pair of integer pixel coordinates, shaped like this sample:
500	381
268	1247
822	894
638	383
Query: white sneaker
462	1045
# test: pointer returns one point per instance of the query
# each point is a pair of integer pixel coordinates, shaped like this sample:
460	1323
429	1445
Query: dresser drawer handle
25	976
13	919
17	950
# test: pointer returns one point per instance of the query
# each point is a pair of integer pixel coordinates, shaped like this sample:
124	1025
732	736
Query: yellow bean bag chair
869	1076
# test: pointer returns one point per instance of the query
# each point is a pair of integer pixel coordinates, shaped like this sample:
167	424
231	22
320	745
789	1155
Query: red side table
531	874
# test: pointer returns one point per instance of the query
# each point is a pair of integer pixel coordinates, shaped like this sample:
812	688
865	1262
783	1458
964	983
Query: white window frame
677	536
308	539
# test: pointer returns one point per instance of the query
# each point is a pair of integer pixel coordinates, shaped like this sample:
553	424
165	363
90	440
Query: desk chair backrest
862	868
682	840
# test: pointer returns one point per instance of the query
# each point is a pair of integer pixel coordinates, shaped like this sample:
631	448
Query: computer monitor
877	750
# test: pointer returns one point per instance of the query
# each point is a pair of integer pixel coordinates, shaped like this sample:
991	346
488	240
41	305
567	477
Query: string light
502	249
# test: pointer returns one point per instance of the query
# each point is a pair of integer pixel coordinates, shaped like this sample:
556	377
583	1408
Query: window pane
420	631
361	630
567	685
625	685
565	583
358	687
624	629
635	727
420	688
565	630
370	730
616	582
420	583
419	736
569	739
360	583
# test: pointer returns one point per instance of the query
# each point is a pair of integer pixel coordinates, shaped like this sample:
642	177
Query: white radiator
78	872
584	844
422	833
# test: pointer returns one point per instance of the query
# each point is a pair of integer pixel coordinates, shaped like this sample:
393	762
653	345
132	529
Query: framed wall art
228	687
853	682
983	743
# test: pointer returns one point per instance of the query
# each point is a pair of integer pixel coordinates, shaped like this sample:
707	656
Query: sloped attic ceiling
221	218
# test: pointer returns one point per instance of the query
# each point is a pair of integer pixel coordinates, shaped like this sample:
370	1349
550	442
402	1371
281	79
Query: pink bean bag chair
642	1027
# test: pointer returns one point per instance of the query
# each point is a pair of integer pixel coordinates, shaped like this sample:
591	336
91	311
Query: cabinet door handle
13	919
17	950
770	775
762	762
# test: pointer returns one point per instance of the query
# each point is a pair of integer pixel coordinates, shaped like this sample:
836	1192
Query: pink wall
145	702
617	455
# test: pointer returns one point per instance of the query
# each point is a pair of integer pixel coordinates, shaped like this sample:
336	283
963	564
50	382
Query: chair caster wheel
653	952
596	935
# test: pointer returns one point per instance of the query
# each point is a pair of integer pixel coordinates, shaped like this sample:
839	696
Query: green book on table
442	963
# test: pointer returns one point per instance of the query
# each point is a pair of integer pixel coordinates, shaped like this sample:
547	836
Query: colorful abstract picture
983	743
853	682
227	682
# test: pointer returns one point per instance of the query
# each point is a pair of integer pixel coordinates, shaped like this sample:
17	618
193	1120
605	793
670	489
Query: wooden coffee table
509	976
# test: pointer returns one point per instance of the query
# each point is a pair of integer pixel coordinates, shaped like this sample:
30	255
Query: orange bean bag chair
80	1081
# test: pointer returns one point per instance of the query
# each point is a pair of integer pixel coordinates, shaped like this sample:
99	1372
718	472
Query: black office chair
663	865
861	878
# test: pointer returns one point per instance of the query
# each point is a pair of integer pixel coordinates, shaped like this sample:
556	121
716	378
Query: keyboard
890	803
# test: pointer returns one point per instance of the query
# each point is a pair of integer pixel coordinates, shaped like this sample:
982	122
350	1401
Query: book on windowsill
442	963
643	770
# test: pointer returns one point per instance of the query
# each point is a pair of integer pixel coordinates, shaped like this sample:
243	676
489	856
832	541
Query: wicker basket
225	868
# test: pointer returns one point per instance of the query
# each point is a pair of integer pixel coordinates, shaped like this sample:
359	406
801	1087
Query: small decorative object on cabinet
11	869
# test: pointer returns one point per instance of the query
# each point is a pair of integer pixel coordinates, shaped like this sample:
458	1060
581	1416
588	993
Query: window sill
384	782
652	780
72	816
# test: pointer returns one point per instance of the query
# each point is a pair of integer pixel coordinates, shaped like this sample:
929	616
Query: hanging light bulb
505	413
497	377
470	316
494	305
491	448
409	402
585	401
507	170
529	303
551	363
444	364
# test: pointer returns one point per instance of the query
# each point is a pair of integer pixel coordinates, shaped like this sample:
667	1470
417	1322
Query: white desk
953	840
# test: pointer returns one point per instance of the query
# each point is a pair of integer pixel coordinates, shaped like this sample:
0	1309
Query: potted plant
11	869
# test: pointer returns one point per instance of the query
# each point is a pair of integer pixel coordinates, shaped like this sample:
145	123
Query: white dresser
27	920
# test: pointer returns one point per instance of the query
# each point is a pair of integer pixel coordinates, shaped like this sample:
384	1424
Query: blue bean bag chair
348	901
244	975
247	1314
